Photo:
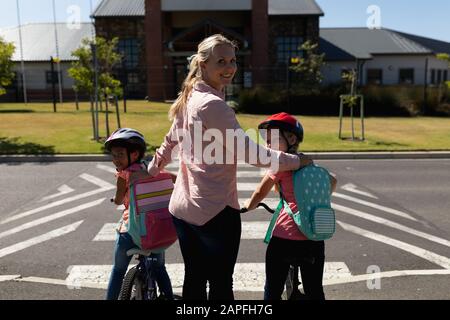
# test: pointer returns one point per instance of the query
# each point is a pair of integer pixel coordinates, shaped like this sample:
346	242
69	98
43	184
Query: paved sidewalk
314	155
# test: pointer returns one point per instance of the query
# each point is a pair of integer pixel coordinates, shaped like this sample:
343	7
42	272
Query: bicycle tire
132	281
289	285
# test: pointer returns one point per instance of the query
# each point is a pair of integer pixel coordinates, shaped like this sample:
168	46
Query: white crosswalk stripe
247	276
251	230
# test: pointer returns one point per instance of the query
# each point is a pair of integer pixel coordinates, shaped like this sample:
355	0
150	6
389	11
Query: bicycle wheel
133	286
289	285
292	292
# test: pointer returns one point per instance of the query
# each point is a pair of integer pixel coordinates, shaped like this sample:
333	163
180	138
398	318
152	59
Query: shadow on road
10	146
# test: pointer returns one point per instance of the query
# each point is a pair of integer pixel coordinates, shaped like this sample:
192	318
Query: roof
38	40
136	8
437	46
115	8
294	7
363	43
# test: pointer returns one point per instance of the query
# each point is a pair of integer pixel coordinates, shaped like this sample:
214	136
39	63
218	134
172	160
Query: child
288	245
127	147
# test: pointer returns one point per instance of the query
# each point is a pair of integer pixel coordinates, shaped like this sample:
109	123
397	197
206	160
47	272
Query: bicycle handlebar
261	204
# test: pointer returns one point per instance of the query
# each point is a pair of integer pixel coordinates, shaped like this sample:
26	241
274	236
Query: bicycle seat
134	251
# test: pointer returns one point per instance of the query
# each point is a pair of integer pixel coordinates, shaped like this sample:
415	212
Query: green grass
36	129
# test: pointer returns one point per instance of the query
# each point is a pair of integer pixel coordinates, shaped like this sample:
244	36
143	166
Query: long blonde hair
204	51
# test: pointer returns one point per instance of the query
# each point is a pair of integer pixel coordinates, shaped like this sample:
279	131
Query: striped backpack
315	217
150	222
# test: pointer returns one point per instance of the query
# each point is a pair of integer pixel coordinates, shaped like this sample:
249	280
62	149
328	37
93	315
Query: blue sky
427	18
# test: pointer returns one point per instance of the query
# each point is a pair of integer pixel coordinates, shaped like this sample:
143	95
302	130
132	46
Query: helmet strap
287	140
129	157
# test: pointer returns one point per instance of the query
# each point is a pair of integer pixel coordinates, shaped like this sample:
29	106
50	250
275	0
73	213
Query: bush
403	101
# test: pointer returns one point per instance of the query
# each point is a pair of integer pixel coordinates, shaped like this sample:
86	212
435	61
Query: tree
445	57
6	65
83	72
308	68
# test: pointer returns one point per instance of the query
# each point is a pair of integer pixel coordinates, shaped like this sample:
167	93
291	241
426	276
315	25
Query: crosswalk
355	207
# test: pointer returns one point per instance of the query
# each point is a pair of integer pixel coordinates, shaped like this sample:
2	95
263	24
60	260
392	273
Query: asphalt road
392	240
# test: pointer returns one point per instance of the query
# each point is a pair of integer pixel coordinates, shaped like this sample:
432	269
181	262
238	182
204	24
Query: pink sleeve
163	154
216	114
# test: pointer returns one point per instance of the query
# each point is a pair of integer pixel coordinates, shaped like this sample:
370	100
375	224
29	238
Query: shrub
403	101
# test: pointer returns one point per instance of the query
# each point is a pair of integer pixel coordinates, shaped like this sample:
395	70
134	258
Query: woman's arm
217	114
163	154
120	191
260	193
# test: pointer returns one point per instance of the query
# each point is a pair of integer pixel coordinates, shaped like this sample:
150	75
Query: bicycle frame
292	281
145	271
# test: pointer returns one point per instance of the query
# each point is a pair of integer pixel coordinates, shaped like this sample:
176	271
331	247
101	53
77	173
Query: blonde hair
204	51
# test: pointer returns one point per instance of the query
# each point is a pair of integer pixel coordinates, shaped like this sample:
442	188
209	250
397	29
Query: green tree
83	72
445	57
6	65
308	69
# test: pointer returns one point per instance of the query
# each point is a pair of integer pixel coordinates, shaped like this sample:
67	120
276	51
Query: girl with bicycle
288	245
127	147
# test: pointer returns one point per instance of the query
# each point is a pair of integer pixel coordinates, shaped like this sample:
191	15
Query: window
406	76
48	77
133	78
287	48
130	50
375	76
445	77
433	76
439	76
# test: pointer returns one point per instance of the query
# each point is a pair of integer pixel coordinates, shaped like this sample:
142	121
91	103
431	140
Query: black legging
209	253
309	255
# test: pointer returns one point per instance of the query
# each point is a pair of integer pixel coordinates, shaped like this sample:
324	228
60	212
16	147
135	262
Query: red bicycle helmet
283	121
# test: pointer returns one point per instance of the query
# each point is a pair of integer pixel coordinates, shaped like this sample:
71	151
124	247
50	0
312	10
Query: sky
428	18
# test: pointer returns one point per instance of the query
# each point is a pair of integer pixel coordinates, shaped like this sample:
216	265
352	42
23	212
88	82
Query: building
38	41
383	57
157	37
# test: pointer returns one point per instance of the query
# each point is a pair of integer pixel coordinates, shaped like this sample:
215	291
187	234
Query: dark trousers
209	253
309	255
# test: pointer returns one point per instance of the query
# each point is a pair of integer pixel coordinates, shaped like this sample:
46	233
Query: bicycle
139	282
291	291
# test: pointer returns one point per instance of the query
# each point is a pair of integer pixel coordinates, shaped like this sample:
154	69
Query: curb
314	155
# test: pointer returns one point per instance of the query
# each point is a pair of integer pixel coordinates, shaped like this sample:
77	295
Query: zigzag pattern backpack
150	222
315	217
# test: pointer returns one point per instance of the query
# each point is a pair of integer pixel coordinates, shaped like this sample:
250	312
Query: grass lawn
36	129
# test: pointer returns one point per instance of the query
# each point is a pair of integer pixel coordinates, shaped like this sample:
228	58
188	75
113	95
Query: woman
204	202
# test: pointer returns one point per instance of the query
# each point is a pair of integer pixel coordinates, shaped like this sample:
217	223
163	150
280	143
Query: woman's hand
305	160
152	170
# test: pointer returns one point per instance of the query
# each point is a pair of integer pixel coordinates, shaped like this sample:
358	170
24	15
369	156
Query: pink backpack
150	222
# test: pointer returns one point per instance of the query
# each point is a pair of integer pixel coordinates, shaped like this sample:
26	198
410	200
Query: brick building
157	37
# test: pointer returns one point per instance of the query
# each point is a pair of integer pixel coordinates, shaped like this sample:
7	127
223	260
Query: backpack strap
273	221
281	204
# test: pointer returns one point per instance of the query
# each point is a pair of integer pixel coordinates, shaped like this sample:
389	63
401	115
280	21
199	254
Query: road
392	239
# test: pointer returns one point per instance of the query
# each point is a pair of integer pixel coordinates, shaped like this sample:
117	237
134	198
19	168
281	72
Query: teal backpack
315	217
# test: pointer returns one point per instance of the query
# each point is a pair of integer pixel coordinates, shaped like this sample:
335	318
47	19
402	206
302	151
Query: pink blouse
203	190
